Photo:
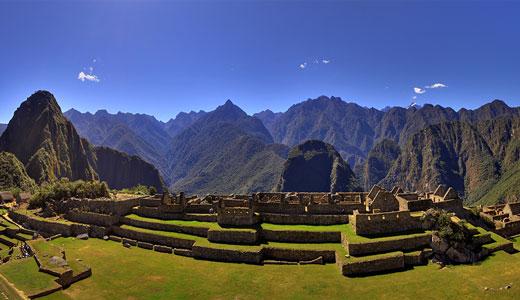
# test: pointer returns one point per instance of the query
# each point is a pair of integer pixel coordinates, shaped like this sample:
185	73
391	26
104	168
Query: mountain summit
49	147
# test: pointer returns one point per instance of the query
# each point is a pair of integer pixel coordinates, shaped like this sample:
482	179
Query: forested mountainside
315	166
49	147
470	157
225	151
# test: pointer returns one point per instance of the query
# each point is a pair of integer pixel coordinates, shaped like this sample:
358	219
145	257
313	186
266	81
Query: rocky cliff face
48	145
46	142
2	128
315	166
121	170
182	121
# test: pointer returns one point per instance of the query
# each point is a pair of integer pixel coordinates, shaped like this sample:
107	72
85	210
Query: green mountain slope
13	174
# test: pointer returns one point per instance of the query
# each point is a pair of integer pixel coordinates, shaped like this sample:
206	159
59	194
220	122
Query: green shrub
440	221
64	189
139	190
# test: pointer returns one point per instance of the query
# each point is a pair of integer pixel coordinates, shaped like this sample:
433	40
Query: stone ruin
503	218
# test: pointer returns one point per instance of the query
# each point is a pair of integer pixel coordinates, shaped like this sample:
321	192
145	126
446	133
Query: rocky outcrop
121	170
315	166
379	161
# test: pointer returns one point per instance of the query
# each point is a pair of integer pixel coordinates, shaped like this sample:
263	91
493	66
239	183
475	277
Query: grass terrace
25	275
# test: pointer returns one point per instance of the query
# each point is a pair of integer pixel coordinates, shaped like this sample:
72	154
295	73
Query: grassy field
121	273
23	273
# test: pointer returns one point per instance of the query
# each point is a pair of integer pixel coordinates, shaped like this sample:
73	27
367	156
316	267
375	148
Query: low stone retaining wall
304	219
163	249
270	253
293	236
376	265
198	231
156	213
91	218
247	237
47	226
150	202
414	258
145	245
402	244
103	206
227	255
153	238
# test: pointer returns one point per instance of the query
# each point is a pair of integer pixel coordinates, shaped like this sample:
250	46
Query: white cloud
303	66
89	77
419	90
325	61
414	97
436	86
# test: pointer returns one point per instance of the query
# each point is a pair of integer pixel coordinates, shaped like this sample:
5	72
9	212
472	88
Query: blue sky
161	58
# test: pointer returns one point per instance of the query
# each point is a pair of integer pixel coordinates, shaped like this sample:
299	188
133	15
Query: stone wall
384	223
414	205
414	242
376	265
198	231
509	229
91	218
49	227
103	206
228	255
156	213
304	219
270	253
292	236
153	238
247	237
453	205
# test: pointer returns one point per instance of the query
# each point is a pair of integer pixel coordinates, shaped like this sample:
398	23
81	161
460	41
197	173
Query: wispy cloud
436	86
325	61
88	77
303	65
418	90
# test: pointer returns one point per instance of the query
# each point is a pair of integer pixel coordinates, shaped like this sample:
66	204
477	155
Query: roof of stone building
451	194
374	190
441	190
513	207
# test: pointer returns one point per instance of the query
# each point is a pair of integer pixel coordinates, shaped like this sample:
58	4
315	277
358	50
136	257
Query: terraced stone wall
153	238
228	255
198	231
298	254
247	237
292	236
290	219
48	227
92	218
384	223
383	264
102	206
413	242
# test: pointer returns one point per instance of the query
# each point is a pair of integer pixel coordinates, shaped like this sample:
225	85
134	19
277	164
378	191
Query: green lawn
23	273
183	223
323	228
121	273
352	237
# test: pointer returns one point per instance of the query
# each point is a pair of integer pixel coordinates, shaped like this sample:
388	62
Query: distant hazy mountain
379	161
181	121
268	118
134	134
225	151
2	128
48	145
315	166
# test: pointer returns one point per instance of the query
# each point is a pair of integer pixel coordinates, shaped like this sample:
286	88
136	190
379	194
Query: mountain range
229	151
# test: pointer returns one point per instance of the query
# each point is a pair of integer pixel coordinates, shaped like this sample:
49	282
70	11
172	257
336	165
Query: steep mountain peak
40	101
228	111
